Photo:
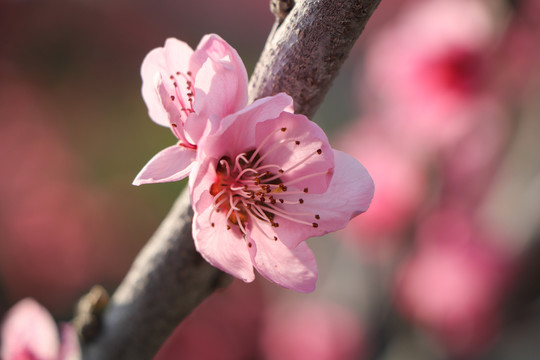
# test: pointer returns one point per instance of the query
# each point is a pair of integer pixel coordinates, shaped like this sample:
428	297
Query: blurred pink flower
470	165
49	218
430	67
313	330
453	283
184	89
225	326
398	173
29	333
264	182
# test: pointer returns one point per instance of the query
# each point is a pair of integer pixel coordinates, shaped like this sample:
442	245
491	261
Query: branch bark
304	53
169	278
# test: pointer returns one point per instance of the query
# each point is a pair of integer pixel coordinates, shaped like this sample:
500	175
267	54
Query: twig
169	278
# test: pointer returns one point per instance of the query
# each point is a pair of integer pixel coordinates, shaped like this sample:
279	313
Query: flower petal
29	329
70	348
220	52
292	268
174	56
300	147
236	132
224	249
349	194
170	164
215	88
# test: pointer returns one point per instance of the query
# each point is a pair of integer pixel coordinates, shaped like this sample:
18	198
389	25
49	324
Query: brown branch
169	278
165	283
305	52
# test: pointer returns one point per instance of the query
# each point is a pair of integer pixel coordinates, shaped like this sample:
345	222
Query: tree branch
304	53
169	278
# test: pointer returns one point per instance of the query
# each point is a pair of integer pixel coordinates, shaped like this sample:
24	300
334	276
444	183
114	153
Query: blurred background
439	100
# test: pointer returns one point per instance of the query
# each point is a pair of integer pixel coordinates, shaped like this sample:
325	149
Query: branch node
87	320
281	8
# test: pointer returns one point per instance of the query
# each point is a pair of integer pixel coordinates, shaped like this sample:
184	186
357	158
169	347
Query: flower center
249	190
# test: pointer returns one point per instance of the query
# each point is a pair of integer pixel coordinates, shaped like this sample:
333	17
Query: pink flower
454	282
400	176
313	330
229	320
265	181
185	89
29	333
426	72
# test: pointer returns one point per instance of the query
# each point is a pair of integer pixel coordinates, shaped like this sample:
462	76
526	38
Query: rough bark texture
304	53
165	283
169	278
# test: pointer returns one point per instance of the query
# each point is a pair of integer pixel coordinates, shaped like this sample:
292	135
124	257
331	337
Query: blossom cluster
261	179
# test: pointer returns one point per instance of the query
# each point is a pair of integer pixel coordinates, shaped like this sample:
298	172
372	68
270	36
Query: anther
249	244
283	129
315	225
319	151
317	217
301	201
172	97
212	224
228	227
297	142
275	238
306	190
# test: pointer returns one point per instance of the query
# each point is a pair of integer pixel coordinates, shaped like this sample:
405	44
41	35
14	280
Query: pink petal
291	268
29	329
70	348
220	82
236	132
299	155
219	51
174	56
349	194
224	249
216	94
170	164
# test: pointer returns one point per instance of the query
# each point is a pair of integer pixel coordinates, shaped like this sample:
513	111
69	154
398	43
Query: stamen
239	157
258	149
227	166
216	208
240	225
260	228
289	215
294	181
301	162
280	143
246	170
